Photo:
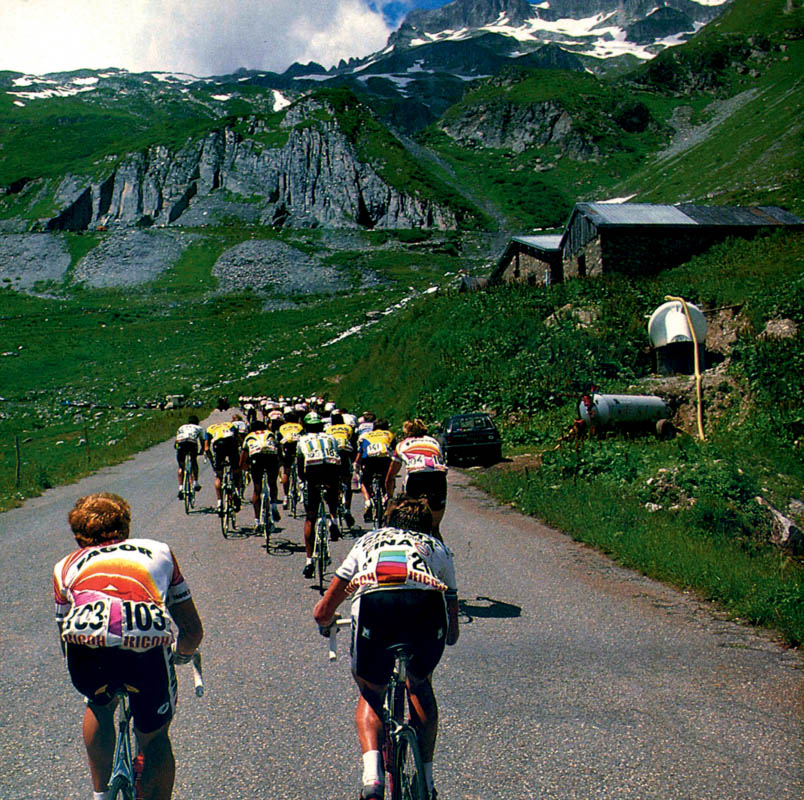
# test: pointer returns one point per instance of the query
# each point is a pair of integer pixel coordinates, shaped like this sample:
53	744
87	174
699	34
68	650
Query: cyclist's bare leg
181	477
159	769
255	497
99	738
423	714
368	715
308	537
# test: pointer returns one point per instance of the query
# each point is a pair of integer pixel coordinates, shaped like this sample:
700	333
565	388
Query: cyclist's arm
324	611
191	631
453	627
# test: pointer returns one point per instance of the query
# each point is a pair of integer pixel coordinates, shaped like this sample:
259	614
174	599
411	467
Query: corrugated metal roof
634	214
544	242
740	215
602	214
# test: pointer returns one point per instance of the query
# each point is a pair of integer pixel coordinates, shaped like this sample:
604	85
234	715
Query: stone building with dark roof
631	238
643	239
530	259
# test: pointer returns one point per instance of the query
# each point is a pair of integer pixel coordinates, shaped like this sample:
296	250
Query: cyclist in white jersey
189	440
125	616
402	581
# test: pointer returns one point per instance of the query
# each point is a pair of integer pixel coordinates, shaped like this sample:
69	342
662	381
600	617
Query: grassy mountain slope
719	121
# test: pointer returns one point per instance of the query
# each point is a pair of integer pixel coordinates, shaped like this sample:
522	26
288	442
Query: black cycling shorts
431	485
321	477
224	450
183	449
376	465
264	464
99	672
287	454
386	617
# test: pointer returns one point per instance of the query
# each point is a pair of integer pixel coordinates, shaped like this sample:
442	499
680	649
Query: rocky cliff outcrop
518	127
314	179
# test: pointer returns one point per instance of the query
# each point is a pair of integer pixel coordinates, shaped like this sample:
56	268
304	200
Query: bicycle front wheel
121	789
408	782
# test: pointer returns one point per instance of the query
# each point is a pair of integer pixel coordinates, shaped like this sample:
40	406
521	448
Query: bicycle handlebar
333	636
198	678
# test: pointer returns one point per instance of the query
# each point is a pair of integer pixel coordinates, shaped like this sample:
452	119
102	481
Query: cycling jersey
344	435
420	454
189	433
260	443
240	426
375	444
318	448
117	595
390	559
290	432
220	430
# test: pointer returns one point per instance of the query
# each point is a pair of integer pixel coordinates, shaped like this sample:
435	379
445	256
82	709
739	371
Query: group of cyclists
126	616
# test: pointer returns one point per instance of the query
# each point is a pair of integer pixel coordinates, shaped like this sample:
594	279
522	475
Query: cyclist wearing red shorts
123	607
426	472
318	462
402	581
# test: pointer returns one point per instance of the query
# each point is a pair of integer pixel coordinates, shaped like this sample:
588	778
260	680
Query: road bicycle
124	780
321	557
188	485
401	751
296	490
377	501
228	508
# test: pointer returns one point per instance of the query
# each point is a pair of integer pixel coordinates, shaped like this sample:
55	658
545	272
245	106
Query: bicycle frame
188	485
227	511
122	777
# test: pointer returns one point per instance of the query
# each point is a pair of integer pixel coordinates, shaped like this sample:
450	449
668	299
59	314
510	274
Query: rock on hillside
314	178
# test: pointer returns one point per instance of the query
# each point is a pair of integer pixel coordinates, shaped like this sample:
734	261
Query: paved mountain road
572	678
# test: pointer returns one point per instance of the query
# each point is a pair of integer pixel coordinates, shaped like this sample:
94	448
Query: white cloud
201	37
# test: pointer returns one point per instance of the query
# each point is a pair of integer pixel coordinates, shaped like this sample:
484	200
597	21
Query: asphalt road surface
573	678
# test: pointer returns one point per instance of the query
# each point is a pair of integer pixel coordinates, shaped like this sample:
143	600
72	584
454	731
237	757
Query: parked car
470	436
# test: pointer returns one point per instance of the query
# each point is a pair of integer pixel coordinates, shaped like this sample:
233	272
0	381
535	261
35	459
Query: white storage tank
670	335
603	410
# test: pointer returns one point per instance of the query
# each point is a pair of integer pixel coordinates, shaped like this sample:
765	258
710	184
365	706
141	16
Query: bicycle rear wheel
408	782
231	512
223	513
377	503
321	550
187	487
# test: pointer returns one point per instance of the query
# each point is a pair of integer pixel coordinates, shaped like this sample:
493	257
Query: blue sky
200	37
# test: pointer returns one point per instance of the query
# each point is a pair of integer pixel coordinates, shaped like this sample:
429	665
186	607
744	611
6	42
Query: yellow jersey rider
222	446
